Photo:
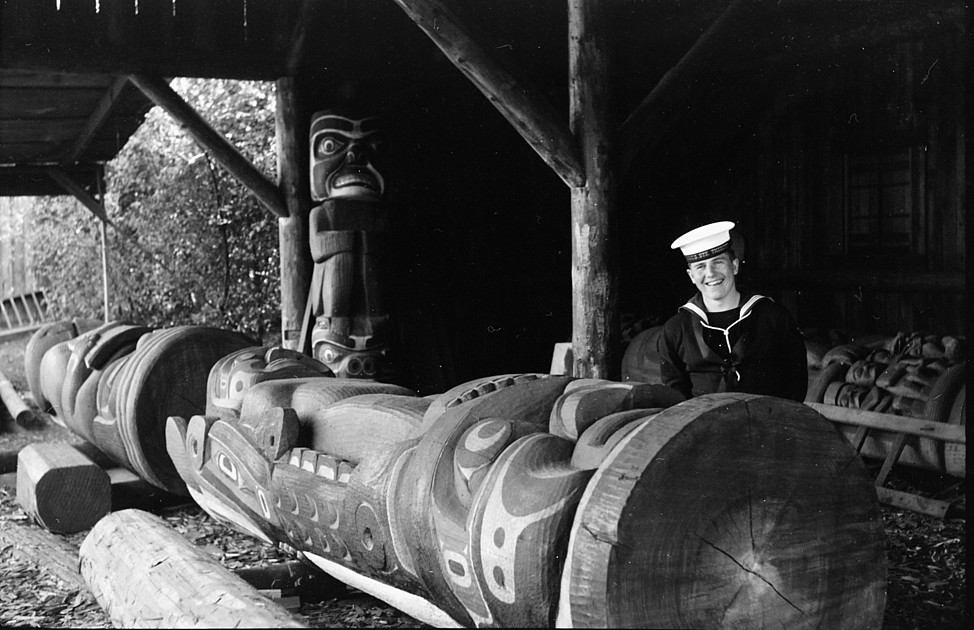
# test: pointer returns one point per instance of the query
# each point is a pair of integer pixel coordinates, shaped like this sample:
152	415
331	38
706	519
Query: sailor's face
342	151
714	277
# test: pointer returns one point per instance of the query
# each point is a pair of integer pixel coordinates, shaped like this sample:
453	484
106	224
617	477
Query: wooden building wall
876	130
860	199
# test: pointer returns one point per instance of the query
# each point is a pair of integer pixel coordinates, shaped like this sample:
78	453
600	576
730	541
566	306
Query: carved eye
227	466
354	366
328	146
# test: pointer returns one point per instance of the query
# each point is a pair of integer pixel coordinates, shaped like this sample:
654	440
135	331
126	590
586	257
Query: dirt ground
926	556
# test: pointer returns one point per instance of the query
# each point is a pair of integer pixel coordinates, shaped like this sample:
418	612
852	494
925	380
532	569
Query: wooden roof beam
519	102
219	147
641	129
72	187
97	118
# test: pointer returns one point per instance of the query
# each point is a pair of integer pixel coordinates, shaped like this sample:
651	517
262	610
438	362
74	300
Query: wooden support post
22	414
595	321
104	243
145	574
60	488
210	139
291	126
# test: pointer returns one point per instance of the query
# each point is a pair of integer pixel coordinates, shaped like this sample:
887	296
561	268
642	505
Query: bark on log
144	574
60	488
19	411
50	551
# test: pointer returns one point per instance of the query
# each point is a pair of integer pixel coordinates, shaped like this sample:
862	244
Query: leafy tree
190	245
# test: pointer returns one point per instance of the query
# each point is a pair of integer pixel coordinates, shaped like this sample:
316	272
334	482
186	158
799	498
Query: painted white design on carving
496	517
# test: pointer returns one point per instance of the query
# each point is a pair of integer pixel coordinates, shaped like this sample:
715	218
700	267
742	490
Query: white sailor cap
705	241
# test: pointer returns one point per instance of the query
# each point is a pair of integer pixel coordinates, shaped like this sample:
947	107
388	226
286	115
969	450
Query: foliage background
189	244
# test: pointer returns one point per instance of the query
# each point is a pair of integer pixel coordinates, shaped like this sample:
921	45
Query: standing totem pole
345	315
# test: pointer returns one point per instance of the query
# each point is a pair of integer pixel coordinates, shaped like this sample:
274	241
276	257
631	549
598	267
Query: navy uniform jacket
762	352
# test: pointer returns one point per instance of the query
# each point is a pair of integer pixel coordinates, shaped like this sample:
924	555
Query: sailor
726	338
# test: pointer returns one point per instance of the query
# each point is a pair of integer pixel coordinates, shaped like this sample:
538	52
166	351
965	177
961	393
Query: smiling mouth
713	283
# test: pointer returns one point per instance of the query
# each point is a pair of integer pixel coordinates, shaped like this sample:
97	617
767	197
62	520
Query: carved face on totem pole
342	150
346	244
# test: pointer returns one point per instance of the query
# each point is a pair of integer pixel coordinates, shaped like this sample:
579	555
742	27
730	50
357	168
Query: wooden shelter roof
65	100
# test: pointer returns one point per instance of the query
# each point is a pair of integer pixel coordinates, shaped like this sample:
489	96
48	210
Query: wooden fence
22	306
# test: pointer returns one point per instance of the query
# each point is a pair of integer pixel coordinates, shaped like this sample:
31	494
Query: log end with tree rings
698	503
166	376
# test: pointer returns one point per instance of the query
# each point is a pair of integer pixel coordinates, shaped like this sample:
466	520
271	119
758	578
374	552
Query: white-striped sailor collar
695	308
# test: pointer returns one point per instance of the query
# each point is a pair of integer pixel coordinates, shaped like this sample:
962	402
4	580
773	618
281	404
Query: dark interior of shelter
831	133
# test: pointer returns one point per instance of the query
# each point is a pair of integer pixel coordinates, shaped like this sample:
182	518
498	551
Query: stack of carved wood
530	500
916	375
115	384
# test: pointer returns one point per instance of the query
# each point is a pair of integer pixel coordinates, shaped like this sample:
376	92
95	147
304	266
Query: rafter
641	129
97	118
219	147
518	101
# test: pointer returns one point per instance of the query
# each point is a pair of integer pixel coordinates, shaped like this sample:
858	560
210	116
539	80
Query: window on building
884	202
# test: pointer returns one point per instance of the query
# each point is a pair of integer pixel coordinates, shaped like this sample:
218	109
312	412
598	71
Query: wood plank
145	574
955	434
923	505
50	103
905	281
27	130
33	80
595	282
517	100
222	151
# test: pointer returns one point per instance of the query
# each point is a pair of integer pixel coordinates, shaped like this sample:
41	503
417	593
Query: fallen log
49	551
19	411
60	488
144	573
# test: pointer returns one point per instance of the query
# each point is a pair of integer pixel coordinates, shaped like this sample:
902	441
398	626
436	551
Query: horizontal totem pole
532	500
